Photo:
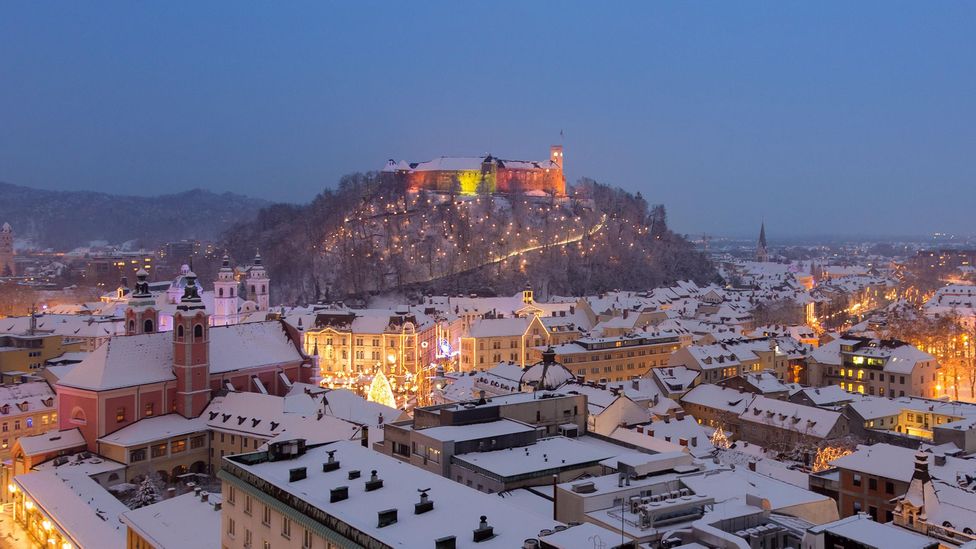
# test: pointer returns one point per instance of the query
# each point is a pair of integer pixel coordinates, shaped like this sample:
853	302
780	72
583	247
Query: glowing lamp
28	505
11	488
46	525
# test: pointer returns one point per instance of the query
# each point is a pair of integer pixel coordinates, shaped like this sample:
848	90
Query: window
178	446
16	425
230	527
231	494
872	483
889	487
149	408
247	505
307	539
857	479
266	517
248	538
148	326
159	450
138	454
286	528
179	333
198	442
198	332
6	426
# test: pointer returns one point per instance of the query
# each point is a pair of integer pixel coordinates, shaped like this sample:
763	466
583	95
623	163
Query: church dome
547	374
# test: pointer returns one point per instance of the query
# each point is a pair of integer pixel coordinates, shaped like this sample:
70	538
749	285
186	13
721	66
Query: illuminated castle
485	174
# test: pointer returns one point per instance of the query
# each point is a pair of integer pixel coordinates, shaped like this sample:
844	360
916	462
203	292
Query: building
875	367
936	508
26	409
862	532
146	375
873	477
737	357
26	352
344	495
762	250
482	174
188	521
437	433
7	265
619	358
789	427
717	407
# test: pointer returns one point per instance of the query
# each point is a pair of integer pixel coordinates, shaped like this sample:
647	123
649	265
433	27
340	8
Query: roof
155	428
860	528
722	398
401	481
458	433
183	522
546	454
51	441
807	420
898	463
127	361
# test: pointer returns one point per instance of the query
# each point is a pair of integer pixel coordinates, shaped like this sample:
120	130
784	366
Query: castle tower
257	283
762	252
527	296
141	316
191	352
556	155
225	295
7	267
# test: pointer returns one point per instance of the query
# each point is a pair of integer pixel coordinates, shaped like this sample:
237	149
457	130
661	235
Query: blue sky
821	117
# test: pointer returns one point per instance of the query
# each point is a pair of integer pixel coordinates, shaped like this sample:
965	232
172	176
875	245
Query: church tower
225	295
556	155
762	252
257	283
191	352
7	267
141	316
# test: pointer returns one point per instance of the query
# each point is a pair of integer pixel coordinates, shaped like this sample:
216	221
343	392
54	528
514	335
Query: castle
482	174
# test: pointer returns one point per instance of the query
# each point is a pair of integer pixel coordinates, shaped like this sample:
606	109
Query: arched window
232	292
220	292
179	333
263	289
148	326
253	290
198	332
132	326
78	416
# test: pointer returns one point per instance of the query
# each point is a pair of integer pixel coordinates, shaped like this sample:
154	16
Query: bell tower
257	283
556	155
191	351
225	295
141	316
7	267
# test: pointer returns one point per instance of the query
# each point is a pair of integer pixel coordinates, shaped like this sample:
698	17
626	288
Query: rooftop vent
386	518
584	488
286	449
338	494
298	473
332	464
354	474
449	542
425	503
483	532
374	482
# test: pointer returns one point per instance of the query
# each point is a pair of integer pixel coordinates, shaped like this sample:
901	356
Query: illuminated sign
444	349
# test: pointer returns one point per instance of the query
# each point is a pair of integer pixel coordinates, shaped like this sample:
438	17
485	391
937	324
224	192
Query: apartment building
619	358
875	367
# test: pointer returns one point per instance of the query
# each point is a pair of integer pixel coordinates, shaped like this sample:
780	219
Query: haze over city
833	118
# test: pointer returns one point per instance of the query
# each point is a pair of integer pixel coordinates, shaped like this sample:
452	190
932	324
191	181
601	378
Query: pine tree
147	493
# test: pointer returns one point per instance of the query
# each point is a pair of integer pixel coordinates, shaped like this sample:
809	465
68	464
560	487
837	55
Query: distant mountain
68	219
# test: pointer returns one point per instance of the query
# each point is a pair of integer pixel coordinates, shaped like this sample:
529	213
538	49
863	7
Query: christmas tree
146	494
381	391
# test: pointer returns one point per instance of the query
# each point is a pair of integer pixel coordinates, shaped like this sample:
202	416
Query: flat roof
401	481
546	454
475	431
183	522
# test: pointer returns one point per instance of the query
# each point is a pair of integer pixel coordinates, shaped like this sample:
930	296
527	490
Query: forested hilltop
370	236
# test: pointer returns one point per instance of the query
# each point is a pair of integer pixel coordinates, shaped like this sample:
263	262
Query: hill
67	219
369	236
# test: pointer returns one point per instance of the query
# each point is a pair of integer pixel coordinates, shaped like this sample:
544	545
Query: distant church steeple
762	252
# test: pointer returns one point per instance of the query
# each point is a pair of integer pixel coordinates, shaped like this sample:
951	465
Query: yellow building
488	341
618	358
354	341
26	353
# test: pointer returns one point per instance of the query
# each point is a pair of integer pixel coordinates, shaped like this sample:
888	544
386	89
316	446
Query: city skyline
827	119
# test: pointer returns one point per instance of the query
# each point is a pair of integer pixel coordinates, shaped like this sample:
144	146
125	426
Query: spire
762	235
191	297
257	257
762	252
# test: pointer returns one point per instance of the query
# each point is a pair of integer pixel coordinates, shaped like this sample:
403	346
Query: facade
617	358
789	427
487	174
738	357
27	352
26	409
875	367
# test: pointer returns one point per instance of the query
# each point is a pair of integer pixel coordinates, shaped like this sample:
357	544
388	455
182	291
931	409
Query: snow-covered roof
401	480
499	327
546	454
51	441
722	398
898	463
155	428
183	522
127	361
807	420
862	529
460	433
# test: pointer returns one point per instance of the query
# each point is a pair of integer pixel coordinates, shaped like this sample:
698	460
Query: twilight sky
822	118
